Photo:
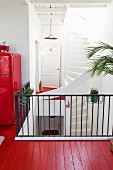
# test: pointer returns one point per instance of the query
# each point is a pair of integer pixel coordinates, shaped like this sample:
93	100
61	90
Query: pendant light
50	37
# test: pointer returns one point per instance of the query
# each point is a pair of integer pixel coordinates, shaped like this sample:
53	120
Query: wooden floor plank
103	163
18	162
44	145
36	156
8	158
108	155
29	155
91	155
59	155
51	156
5	152
84	156
68	160
76	156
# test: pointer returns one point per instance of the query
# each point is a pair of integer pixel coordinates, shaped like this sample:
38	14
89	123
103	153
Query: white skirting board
1	139
63	138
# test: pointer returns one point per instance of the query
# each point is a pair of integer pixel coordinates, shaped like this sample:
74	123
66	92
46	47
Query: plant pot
94	99
4	48
24	99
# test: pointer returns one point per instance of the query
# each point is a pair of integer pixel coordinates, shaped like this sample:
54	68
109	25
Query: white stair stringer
68	89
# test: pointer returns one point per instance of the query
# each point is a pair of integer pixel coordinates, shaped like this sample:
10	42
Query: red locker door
7	115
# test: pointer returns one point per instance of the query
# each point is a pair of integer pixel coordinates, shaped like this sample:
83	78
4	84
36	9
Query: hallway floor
53	155
45	89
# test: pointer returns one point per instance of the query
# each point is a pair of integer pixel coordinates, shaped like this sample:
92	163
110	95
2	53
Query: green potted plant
27	92
101	59
94	98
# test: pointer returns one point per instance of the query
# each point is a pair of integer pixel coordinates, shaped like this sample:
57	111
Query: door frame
59	64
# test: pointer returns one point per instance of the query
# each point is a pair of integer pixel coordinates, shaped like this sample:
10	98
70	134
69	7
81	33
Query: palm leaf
101	65
91	51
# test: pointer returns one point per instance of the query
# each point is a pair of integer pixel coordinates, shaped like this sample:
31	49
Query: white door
51	65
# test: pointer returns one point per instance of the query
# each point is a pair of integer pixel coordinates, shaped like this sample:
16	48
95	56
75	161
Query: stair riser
79	133
84	111
84	117
78	108
79	126
79	64
73	75
75	69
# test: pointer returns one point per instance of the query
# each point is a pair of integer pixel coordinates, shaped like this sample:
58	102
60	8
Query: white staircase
76	120
76	56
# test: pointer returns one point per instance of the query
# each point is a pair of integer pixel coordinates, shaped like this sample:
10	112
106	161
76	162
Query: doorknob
58	69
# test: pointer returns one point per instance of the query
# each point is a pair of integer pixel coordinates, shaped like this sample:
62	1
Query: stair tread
81	67
78	110
79	126
76	73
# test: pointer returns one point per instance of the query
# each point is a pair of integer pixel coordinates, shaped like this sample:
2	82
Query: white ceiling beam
48	17
71	1
54	22
95	5
50	10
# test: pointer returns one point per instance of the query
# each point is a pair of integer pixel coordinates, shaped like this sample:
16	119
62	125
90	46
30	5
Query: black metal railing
64	115
20	109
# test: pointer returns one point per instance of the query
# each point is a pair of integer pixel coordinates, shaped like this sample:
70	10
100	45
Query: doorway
51	65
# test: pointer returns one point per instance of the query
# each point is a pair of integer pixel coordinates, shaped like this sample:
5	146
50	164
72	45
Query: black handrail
50	116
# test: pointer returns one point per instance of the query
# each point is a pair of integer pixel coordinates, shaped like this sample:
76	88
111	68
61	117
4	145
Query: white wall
108	38
34	36
102	30
14	30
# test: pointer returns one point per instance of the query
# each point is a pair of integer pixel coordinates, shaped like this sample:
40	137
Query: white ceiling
56	9
69	1
51	11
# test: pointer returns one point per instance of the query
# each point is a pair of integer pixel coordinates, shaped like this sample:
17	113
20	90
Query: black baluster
71	116
27	114
38	116
97	116
108	116
81	114
49	116
87	97
92	118
16	110
60	118
32	116
103	114
43	117
76	118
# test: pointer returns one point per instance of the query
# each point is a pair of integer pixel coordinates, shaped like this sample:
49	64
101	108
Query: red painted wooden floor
53	155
